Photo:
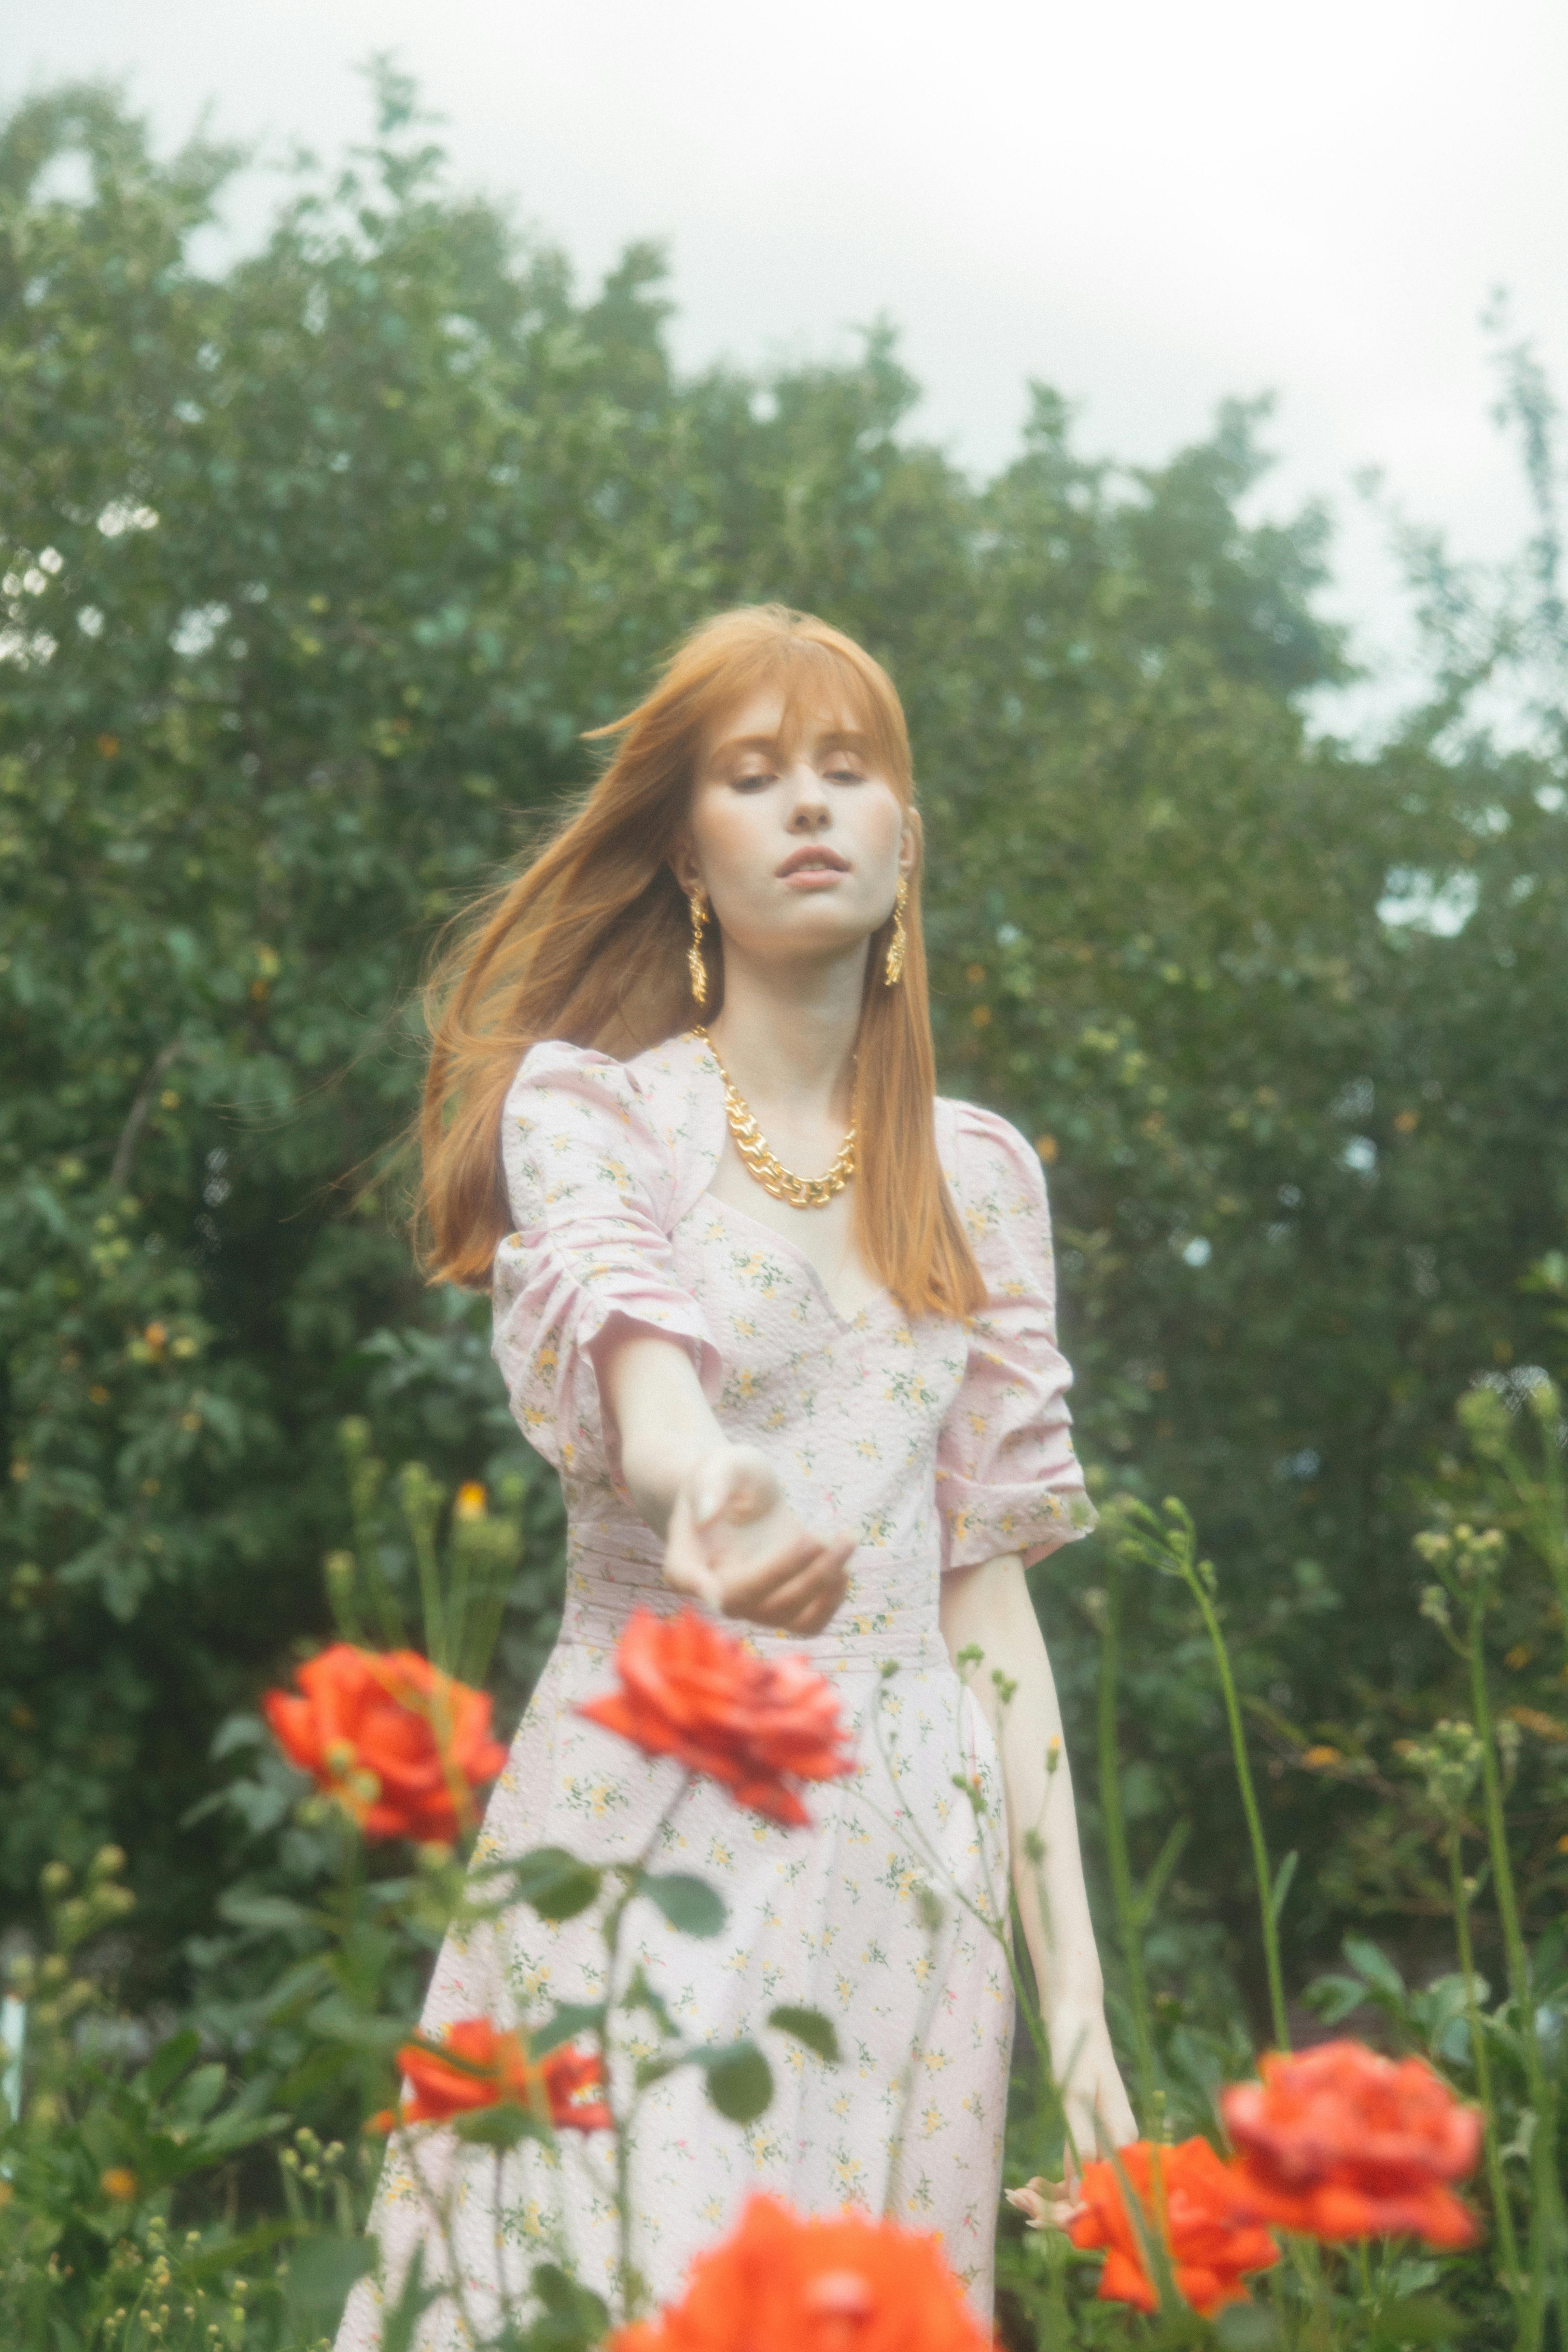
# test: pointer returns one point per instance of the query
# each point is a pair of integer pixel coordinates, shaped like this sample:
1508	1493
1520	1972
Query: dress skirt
910	2120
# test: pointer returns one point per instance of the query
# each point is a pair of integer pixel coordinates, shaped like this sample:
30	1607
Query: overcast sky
1149	207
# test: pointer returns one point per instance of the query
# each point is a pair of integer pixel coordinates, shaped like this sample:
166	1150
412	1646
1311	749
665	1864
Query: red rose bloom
398	1743
494	2070
575	2085
1195	2214
754	1724
781	2283
1339	2143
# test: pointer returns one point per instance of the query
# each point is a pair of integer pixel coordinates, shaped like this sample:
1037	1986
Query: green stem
1127	1920
1249	1802
633	2294
994	1920
1501	2209
435	1647
1544	2232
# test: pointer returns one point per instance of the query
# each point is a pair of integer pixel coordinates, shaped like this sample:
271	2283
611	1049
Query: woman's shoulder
659	1114
642	1084
982	1152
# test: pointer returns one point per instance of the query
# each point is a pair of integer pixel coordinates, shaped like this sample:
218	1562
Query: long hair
588	944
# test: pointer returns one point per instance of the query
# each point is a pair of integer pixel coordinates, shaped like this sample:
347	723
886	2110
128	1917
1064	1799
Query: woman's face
798	845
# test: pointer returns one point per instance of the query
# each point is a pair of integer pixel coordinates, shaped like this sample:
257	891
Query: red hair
588	944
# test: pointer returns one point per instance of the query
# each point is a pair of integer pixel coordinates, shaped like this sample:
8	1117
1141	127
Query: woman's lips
813	870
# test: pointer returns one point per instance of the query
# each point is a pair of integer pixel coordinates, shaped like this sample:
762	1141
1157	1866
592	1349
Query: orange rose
1195	2214
473	2066
781	2284
754	1724
1339	2143
398	1743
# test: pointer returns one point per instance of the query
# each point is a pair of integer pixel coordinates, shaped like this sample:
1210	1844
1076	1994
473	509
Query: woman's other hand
734	1543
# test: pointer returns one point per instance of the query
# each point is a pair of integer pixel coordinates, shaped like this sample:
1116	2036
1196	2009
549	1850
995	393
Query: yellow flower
119	2182
471	1500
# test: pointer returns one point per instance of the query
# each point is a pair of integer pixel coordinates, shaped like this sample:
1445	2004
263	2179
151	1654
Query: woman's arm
730	1540
989	1609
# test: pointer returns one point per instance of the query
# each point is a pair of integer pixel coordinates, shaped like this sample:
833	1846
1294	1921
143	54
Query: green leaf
501	2126
570	2305
1418	2319
169	2061
201	2094
228	2133
338	2020
739	2080
640	1994
570	2018
1282	1880
1375	1966
321	2271
1245	2327
1164	1862
1332	1998
810	2026
243	1907
688	1903
400	2323
554	1882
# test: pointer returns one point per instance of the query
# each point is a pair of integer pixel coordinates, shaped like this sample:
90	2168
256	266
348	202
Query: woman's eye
845	776
752	780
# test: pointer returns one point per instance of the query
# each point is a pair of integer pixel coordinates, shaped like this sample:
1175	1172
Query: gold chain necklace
800	1192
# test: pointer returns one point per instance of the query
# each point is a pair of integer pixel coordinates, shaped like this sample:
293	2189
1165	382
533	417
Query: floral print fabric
938	1447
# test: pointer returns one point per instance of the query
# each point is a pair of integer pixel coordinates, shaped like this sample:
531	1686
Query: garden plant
314	569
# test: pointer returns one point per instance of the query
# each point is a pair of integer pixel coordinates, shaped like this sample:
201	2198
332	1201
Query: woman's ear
684	866
909	841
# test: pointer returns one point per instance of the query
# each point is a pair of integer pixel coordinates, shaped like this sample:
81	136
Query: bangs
828	683
825	694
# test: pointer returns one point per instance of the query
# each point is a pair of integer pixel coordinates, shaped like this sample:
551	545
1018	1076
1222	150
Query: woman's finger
751	1587
686	1570
804	1604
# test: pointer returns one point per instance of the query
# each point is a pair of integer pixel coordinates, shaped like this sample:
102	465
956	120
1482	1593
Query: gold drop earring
893	970
695	963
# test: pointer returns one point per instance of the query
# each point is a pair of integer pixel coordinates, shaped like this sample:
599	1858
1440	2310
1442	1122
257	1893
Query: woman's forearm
665	1423
989	1609
730	1540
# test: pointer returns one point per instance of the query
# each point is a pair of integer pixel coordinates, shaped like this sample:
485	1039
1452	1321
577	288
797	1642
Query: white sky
1151	206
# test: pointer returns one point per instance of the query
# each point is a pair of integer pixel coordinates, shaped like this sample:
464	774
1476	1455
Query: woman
829	1407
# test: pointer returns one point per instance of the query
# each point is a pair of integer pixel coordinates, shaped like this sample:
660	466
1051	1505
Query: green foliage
312	576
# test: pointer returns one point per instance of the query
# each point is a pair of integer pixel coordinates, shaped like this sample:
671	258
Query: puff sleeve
590	1181
1008	1477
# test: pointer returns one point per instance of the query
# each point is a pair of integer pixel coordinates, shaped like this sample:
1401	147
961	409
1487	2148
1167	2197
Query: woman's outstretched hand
734	1543
1098	2114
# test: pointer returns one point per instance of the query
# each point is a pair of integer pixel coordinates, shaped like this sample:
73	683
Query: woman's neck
787	1038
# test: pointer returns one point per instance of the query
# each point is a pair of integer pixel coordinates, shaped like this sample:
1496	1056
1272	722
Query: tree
314	573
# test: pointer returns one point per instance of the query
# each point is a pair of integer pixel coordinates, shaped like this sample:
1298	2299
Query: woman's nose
810	808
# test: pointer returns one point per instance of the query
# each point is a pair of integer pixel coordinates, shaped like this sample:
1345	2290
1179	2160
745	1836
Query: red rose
398	1743
1339	2143
492	2071
755	1724
475	2066
781	2284
575	2085
1195	2214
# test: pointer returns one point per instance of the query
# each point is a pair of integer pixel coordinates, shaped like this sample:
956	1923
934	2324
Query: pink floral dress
939	1446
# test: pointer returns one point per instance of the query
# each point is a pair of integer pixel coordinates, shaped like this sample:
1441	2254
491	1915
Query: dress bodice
936	1443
